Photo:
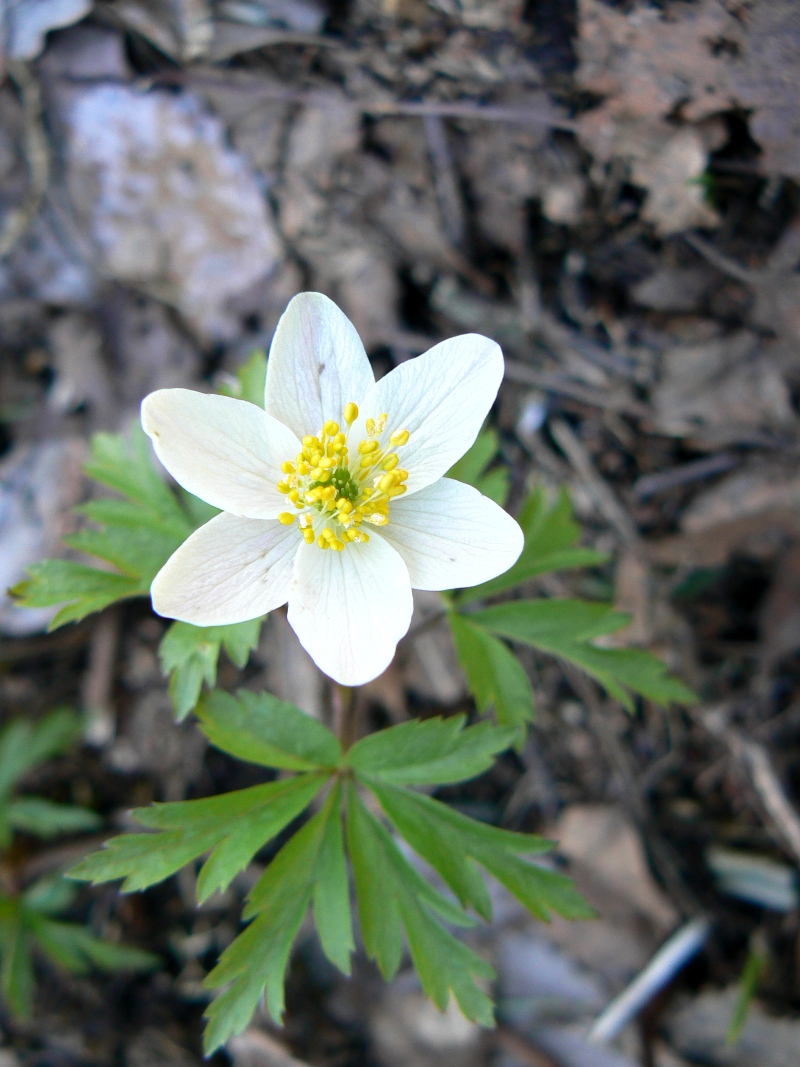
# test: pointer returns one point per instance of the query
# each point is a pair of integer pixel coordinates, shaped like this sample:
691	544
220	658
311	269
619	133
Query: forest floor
608	189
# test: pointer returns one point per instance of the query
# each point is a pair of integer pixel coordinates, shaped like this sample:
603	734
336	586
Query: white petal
228	452
350	608
451	536
229	570
441	398
317	364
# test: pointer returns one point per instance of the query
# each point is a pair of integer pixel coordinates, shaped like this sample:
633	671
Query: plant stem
344	714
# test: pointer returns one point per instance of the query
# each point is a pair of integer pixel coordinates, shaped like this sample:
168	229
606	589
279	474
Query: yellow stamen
350	413
308	536
389	463
287	467
331	428
399	437
283	487
285	518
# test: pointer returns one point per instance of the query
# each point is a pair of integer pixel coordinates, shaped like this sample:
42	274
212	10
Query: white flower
333	498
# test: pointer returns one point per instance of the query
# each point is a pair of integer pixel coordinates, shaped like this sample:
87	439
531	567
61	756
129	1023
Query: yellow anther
343	504
340	440
377	519
308	535
299	459
387	482
328	493
370	427
337	545
283	487
309	441
397	491
400	474
380	422
389	463
328	534
286	518
305	521
293	495
366	447
331	428
321	542
326	463
350	413
399	437
367	461
287	467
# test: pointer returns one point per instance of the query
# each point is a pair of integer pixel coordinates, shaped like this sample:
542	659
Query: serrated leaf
472	468
564	628
391	900
551	544
495	677
44	818
135	535
429	752
78	951
259	728
249	381
80	588
25	744
189	654
452	844
255	963
331	896
235	825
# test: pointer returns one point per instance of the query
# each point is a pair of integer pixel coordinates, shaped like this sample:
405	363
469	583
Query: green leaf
136	534
16	968
78	951
471	468
25	744
82	589
249	381
551	536
429	752
392	898
494	676
49	895
565	628
234	825
44	818
255	963
259	728
190	653
452	844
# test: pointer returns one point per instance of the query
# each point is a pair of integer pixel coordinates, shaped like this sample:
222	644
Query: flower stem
344	714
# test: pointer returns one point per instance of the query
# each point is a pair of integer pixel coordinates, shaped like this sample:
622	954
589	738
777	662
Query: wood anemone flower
332	498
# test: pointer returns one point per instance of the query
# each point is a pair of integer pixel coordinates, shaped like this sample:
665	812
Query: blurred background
609	189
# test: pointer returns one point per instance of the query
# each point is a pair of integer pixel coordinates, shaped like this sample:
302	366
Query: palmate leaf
44	818
310	868
495	677
551	544
232	827
565	628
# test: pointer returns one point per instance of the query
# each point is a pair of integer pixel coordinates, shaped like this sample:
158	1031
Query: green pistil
345	485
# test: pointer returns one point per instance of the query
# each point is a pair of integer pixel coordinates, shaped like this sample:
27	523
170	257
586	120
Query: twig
98	681
605	497
522	1049
652	484
596	398
770	791
722	262
37	157
659	972
444	179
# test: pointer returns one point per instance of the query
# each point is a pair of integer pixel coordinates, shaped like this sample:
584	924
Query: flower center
336	493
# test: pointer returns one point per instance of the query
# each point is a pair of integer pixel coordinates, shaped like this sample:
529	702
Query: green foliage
249	381
27	922
495	676
189	655
23	746
753	971
551	544
135	534
475	468
566	628
395	903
